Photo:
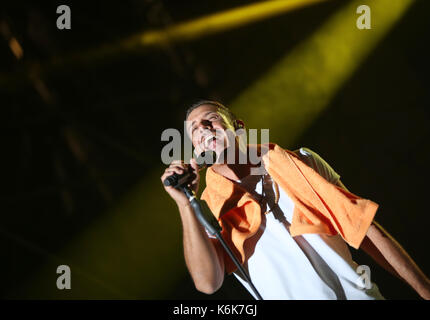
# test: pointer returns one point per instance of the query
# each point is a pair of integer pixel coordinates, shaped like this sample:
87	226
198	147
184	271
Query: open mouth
209	142
210	139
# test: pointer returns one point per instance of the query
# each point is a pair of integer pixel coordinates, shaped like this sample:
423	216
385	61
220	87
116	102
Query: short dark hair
199	103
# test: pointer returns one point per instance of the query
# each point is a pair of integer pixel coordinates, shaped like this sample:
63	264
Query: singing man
290	225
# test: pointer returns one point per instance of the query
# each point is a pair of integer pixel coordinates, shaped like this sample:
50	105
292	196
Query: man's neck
235	171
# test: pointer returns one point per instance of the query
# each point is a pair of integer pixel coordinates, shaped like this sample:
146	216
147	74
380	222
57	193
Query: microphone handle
177	180
205	159
184	178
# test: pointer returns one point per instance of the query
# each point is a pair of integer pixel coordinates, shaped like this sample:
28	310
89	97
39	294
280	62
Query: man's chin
220	152
223	156
219	156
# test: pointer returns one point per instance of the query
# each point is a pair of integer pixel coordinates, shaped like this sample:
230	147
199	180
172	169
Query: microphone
205	159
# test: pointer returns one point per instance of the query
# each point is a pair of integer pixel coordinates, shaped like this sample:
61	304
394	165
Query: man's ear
239	124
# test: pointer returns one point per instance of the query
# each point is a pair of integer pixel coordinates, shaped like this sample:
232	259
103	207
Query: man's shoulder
307	154
316	162
304	152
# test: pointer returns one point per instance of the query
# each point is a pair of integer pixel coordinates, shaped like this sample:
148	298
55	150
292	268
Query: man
289	226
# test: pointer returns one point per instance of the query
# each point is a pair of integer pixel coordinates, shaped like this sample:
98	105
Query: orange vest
319	206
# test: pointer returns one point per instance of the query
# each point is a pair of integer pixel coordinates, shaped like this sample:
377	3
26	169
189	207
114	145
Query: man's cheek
197	149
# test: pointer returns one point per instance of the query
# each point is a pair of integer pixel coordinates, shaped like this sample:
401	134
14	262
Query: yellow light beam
134	250
222	21
289	97
185	31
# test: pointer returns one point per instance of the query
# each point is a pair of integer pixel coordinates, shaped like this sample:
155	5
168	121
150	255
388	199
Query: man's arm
399	260
203	256
390	255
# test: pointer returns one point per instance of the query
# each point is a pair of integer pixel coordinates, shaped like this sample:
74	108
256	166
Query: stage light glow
16	48
185	31
222	21
291	95
133	252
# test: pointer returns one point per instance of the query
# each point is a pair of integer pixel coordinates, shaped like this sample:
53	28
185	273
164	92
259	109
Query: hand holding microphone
179	173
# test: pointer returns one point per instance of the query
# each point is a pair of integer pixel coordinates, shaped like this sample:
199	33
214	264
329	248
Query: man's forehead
201	111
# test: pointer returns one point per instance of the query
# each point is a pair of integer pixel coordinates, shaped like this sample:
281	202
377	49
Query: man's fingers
177	167
176	162
177	170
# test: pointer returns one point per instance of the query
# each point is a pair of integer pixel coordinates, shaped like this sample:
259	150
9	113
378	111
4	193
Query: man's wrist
183	205
424	289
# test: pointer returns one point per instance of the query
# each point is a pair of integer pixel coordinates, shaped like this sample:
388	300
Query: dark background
79	134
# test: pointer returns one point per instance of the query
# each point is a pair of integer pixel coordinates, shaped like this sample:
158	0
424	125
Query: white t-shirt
307	267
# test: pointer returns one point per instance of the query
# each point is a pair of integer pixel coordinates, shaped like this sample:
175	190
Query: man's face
206	126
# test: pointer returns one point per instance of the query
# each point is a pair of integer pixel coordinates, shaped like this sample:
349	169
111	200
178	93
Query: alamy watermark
363	281
364	20
64	21
223	142
64	280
